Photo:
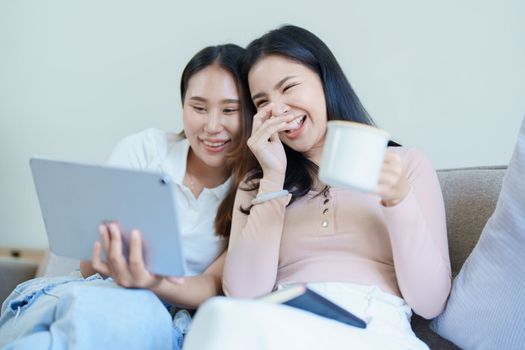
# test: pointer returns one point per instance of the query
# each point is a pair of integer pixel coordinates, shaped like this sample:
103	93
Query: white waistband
366	301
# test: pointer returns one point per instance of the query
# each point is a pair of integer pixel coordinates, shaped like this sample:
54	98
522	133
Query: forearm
191	293
422	268
253	252
252	263
196	289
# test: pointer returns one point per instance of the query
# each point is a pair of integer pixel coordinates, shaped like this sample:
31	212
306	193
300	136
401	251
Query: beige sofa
470	197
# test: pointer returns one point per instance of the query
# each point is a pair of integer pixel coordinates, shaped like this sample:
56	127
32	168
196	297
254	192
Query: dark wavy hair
229	57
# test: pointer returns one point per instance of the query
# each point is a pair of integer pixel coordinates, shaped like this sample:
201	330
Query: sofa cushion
12	272
470	196
486	308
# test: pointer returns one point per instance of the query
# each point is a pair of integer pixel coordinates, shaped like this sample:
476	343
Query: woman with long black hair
380	255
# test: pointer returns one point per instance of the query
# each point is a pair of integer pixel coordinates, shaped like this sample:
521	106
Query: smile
296	127
215	143
214	146
296	123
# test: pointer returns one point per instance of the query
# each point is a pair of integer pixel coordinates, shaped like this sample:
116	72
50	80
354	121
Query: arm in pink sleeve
418	235
253	251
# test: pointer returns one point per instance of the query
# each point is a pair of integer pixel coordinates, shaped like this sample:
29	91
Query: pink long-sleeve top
345	236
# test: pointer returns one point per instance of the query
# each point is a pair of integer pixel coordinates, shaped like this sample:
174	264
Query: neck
206	175
316	152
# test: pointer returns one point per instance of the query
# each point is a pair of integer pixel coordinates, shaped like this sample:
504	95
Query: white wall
75	76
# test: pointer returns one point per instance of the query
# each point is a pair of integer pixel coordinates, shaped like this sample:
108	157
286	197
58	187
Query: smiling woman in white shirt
156	150
197	161
67	310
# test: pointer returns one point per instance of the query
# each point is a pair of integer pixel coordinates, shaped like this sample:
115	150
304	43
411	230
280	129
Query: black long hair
342	103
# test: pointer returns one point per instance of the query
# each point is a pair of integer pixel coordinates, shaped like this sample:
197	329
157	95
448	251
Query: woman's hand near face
393	183
265	143
128	274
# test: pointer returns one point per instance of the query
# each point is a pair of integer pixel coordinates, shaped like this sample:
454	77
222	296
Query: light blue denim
75	313
181	326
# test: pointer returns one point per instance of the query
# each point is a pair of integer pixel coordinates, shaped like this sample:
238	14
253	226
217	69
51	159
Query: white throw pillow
486	308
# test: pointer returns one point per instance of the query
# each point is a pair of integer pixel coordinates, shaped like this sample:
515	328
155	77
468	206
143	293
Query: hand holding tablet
131	272
76	199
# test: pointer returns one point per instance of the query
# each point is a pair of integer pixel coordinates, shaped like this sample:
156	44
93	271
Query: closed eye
260	103
230	110
199	109
288	87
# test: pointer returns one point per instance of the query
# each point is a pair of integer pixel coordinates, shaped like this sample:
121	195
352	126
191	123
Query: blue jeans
74	313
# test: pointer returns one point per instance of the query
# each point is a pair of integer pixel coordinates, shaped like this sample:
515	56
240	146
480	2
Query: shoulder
149	139
141	148
410	155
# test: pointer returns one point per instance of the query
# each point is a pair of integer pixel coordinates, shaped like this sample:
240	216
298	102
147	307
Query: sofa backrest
470	196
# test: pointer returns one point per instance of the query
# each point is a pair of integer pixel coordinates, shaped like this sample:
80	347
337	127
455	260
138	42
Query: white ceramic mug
353	155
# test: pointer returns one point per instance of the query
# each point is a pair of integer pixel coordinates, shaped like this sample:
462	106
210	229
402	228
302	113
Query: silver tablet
76	198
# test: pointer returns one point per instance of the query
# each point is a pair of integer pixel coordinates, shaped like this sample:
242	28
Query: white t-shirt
153	149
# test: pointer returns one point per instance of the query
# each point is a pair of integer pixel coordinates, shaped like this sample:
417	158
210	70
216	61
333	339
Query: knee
215	322
219	309
232	323
95	312
101	301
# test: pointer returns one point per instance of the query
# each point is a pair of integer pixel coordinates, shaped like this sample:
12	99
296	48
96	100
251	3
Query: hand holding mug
353	155
393	185
356	157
